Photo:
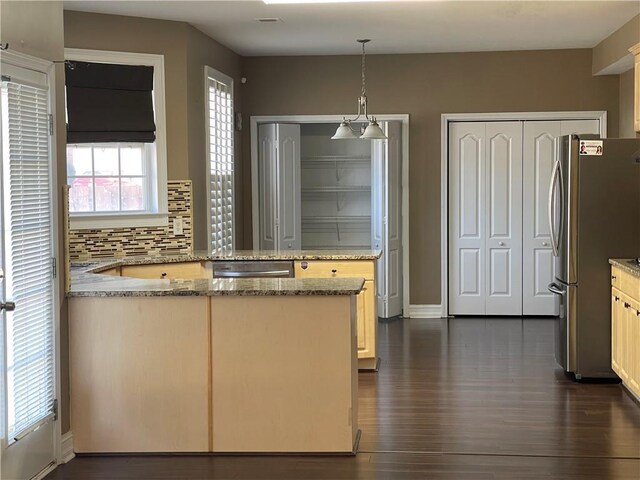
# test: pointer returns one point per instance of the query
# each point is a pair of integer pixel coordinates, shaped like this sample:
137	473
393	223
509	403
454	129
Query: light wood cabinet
625	328
367	314
170	271
636	90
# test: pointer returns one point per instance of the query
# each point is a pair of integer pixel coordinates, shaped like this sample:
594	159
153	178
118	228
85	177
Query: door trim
49	68
403	118
445	119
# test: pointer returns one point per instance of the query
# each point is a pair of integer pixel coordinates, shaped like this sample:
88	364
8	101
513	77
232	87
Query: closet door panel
267	156
503	218
540	150
467	204
288	173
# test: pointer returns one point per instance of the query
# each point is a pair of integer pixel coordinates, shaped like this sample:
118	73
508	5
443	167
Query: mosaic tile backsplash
86	244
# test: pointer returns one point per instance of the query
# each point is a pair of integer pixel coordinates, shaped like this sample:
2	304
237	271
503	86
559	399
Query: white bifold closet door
386	216
485	205
279	184
540	150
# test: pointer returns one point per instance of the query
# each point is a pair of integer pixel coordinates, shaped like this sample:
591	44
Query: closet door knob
544	244
501	244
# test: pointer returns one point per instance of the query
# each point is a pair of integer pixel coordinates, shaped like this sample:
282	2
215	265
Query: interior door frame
403	118
447	118
49	68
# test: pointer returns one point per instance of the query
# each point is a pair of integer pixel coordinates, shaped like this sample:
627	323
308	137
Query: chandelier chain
364	89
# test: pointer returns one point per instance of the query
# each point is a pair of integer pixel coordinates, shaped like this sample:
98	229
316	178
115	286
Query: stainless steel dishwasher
253	269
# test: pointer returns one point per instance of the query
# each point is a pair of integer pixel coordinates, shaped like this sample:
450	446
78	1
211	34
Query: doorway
331	170
29	429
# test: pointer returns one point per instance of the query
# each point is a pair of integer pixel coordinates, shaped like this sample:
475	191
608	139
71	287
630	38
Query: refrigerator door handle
554	288
552	209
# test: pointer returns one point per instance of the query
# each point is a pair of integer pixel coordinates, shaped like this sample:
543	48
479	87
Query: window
119	184
219	125
108	177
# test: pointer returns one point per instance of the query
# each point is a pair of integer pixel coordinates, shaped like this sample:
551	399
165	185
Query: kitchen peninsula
165	358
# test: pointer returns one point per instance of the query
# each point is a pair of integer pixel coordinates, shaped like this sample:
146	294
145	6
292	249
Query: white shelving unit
336	190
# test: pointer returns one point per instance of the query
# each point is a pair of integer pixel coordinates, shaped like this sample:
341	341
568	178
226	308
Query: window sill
122	220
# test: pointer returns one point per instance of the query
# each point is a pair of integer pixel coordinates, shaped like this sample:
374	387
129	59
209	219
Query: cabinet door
366	321
615	330
624	342
633	345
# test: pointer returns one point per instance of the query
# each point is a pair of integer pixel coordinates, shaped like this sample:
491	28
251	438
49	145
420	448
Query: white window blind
28	252
220	150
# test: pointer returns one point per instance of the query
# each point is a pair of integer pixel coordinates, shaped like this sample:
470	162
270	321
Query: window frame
213	74
158	212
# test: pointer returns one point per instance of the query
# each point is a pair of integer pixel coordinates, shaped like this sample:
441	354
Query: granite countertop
627	265
86	280
201	256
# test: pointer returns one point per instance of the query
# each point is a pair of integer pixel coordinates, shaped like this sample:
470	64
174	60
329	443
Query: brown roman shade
109	103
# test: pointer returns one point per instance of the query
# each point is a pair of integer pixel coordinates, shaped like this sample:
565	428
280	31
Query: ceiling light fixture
373	131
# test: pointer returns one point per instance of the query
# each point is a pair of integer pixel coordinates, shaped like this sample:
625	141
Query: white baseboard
425	311
66	447
50	468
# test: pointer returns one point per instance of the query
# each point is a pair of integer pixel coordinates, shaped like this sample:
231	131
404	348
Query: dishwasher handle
268	273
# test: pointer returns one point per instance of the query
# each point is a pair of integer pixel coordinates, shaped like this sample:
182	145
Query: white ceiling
394	26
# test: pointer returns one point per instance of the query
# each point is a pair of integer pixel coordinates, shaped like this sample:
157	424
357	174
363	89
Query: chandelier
373	131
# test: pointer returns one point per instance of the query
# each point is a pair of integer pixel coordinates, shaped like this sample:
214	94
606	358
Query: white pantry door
485	218
503	218
386	217
540	150
27	383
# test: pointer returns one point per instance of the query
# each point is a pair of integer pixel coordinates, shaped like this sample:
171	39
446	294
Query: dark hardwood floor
454	399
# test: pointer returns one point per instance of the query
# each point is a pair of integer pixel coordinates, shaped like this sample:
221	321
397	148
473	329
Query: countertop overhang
86	280
629	265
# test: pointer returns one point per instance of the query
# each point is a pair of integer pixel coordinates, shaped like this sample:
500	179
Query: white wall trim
48	469
425	311
157	62
66	450
444	170
404	118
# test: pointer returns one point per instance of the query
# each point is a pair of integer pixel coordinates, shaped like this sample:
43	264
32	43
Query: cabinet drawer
329	269
170	271
615	277
630	285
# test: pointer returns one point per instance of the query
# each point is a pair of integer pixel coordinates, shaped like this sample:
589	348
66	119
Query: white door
28	331
289	218
467	206
540	150
386	219
267	173
503	217
485	223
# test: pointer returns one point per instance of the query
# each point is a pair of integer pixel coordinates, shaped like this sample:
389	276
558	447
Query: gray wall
424	86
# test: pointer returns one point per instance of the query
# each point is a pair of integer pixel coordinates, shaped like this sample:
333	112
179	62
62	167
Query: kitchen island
211	365
307	264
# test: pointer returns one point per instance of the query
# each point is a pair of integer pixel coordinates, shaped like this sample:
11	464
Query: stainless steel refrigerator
594	215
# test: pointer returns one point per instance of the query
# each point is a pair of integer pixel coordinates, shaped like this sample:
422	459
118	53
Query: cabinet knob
613	277
163	274
626	305
617	298
334	270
